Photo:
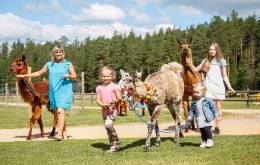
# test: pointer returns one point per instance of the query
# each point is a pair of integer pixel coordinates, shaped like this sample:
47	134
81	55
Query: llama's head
19	65
185	51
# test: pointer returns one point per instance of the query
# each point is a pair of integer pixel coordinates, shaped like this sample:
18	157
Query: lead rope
176	130
35	93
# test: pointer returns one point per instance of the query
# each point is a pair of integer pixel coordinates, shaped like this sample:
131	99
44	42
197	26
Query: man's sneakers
216	131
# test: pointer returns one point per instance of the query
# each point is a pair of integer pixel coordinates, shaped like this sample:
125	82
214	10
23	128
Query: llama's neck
26	94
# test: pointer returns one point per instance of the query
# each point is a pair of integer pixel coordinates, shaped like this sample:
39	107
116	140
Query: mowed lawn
227	149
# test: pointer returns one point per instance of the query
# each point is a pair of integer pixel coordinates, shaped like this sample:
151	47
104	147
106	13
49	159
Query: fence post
247	98
82	91
6	95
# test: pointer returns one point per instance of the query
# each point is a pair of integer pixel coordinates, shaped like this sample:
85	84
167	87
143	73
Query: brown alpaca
36	95
189	77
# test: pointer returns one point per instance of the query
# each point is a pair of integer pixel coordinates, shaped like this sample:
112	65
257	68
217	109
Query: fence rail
248	97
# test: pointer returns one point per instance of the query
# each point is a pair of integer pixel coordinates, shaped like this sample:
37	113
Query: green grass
232	150
227	149
13	118
19	118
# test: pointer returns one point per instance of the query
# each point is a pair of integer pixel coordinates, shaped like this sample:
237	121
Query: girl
205	111
214	67
108	96
141	106
61	73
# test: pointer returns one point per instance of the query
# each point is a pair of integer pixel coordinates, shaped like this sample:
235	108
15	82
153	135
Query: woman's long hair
207	63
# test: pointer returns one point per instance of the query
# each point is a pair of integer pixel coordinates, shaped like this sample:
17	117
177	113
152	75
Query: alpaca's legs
158	139
149	134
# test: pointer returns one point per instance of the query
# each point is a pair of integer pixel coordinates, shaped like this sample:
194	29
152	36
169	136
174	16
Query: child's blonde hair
200	87
113	72
57	47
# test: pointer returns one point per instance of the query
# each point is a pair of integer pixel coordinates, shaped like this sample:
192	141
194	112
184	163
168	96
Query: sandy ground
245	122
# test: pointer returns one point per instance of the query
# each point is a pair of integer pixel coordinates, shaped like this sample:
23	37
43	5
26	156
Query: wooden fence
7	97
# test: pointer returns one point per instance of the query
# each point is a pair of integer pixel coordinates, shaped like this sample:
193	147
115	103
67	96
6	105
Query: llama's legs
157	132
186	107
36	114
41	126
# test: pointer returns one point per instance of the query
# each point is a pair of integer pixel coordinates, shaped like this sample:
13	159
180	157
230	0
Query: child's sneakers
115	147
203	144
209	143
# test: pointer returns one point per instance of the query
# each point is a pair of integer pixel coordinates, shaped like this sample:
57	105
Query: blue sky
48	20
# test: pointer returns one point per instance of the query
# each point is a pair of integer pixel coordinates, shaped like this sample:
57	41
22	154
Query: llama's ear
178	40
141	72
23	57
190	40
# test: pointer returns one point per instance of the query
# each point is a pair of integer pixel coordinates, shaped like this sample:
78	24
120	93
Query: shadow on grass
137	143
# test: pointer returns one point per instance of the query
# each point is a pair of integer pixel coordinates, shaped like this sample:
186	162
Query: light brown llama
190	78
163	87
36	94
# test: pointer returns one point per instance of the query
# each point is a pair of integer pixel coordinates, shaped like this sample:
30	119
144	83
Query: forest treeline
238	37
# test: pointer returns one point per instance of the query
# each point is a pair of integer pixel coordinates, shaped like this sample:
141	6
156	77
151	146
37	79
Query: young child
141	106
61	73
108	96
204	110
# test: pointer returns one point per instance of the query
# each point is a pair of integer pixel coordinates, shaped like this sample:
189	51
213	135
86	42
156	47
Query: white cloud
97	13
164	16
220	7
189	10
140	18
39	6
13	27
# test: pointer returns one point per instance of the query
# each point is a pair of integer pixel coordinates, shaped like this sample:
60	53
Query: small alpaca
163	87
36	94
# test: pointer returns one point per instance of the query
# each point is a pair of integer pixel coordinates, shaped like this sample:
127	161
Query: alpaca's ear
23	57
122	72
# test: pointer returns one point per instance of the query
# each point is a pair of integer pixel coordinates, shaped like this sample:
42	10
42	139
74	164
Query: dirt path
245	122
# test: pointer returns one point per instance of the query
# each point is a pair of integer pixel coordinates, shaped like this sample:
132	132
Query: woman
61	73
215	71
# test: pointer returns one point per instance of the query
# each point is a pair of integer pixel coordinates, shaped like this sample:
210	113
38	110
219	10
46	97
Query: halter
18	69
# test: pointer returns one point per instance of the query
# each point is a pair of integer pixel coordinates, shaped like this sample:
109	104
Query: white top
214	80
200	118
